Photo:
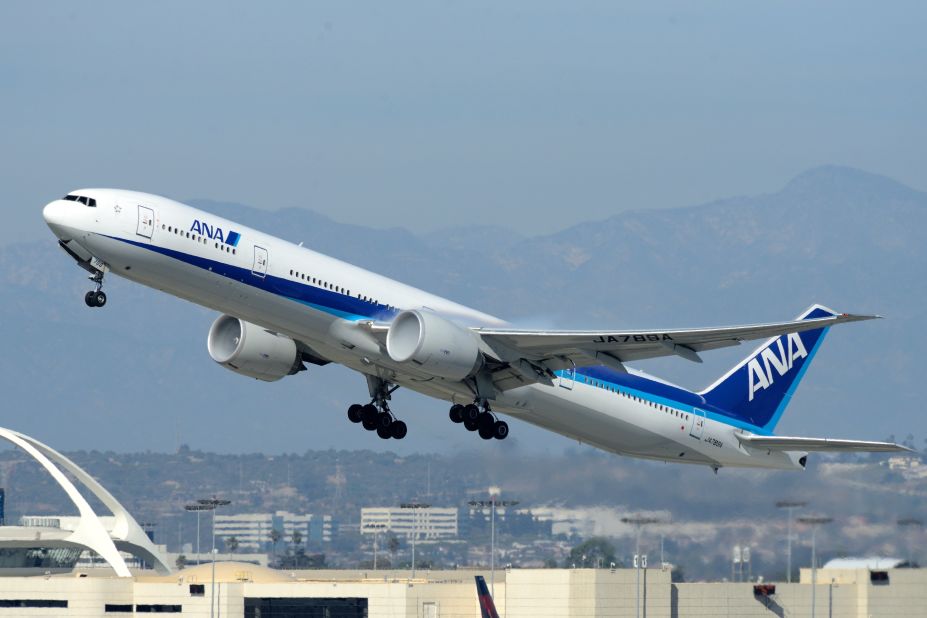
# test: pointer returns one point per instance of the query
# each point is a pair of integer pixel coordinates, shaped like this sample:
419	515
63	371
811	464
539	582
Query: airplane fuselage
318	301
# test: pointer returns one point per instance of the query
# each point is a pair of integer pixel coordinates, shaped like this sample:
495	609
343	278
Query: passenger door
698	423
259	269
145	225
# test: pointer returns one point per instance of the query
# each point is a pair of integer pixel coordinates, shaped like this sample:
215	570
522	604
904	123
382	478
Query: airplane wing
613	348
785	443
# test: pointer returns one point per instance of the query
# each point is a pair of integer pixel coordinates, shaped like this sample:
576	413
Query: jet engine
252	350
433	343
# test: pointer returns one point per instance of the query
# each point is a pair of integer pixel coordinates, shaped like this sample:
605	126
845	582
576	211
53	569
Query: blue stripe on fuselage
334	303
659	393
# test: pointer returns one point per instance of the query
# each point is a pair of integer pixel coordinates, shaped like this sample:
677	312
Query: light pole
814	522
492	503
638	522
376	533
414	507
212	586
789	506
911	525
197	508
211	504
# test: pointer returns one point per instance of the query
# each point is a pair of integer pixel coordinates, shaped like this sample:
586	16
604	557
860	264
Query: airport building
250	591
425	523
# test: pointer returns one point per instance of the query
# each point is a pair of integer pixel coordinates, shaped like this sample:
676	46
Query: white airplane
284	305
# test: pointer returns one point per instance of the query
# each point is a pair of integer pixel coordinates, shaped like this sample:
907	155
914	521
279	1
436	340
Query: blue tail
759	388
487	607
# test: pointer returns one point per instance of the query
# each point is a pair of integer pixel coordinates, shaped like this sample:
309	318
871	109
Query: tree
297	538
275	536
181	562
392	545
595	552
231	544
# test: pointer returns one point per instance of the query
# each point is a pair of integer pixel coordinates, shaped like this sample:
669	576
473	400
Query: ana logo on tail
782	359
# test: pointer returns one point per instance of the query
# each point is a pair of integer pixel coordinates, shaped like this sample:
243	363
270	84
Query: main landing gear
96	298
376	415
480	418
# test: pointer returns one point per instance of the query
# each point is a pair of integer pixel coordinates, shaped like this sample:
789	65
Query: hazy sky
527	114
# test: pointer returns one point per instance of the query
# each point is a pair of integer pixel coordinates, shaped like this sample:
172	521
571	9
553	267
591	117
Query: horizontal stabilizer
786	443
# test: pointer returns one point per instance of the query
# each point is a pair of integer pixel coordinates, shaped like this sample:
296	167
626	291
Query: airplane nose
57	216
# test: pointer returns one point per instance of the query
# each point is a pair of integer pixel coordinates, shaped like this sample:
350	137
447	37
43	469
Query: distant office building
425	523
253	530
322	529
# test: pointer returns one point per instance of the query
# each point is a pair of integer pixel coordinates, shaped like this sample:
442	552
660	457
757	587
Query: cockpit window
86	201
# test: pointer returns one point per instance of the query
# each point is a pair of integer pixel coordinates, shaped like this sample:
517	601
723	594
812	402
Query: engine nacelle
252	350
438	346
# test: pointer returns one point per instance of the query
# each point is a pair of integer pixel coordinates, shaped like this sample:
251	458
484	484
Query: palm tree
275	536
297	538
392	545
231	544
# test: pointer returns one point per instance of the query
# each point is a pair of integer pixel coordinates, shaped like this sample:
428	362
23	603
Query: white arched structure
90	533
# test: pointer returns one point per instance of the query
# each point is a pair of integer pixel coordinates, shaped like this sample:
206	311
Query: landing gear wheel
485	421
456	413
487	432
501	430
354	413
99	298
369	414
90	299
384	433
470	413
384	420
369	425
398	430
471	425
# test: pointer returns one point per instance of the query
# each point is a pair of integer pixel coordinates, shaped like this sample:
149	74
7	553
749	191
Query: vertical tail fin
487	606
758	389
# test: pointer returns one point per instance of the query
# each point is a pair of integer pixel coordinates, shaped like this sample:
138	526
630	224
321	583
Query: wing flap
787	443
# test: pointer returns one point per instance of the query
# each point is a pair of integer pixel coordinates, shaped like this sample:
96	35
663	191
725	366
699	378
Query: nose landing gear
479	417
96	298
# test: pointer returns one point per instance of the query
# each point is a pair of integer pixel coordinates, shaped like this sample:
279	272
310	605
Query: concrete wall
521	593
581	593
793	600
